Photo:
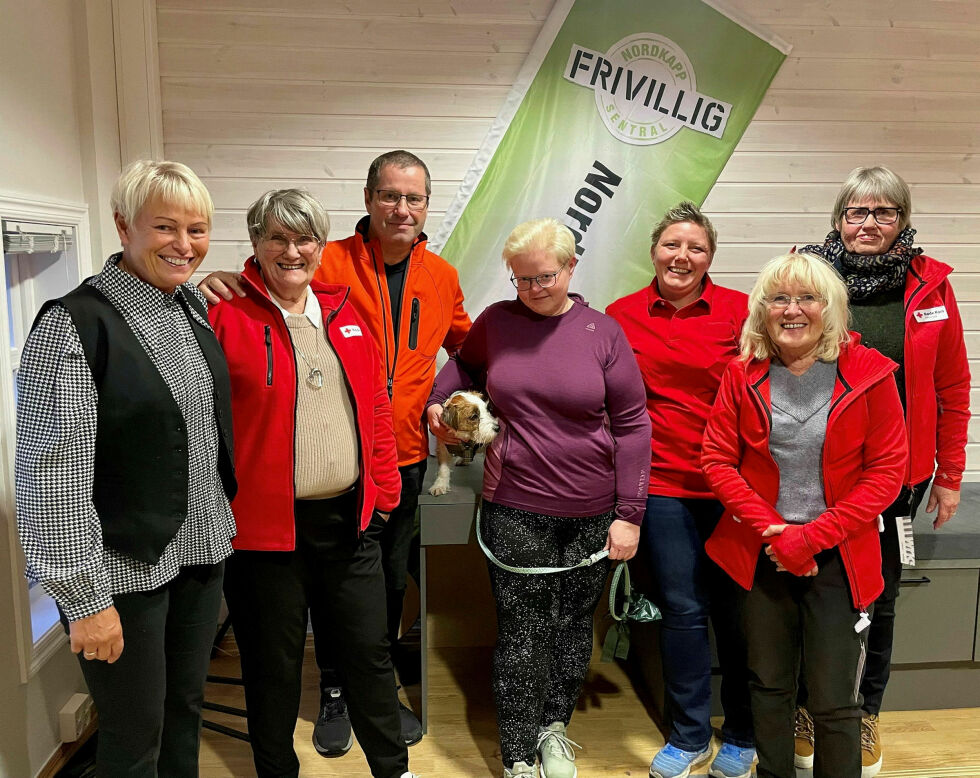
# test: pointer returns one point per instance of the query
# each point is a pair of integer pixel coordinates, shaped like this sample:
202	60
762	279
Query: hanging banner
622	110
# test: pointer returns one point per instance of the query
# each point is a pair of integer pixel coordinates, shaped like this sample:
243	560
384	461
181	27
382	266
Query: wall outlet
75	717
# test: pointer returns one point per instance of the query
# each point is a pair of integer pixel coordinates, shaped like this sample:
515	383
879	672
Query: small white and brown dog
467	414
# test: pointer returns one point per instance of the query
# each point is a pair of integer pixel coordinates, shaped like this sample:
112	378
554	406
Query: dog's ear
450	413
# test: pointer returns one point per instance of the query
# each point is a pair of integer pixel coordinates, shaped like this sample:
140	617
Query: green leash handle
622	571
617	642
636	608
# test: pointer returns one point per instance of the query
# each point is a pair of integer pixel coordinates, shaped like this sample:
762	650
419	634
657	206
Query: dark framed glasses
881	215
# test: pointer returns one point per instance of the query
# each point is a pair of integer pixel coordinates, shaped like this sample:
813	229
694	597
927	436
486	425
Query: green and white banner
623	109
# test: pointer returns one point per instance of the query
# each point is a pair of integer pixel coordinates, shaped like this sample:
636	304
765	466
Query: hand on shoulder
221	285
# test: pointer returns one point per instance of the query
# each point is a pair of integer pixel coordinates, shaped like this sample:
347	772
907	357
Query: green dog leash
587	562
636	607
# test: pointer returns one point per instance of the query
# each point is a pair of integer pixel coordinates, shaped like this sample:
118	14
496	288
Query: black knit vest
141	458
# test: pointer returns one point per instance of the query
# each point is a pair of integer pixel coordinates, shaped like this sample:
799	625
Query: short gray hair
295	210
540	234
809	271
401	159
874	183
172	182
686	212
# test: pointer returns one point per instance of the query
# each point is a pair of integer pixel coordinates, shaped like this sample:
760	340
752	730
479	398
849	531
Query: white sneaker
555	752
410	775
520	768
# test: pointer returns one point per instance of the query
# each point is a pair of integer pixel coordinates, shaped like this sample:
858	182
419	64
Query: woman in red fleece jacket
902	303
805	446
312	427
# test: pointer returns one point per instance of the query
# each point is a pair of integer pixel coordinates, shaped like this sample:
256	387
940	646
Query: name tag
931	314
906	540
350	331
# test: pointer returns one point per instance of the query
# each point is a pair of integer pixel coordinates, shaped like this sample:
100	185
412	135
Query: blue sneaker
673	762
732	762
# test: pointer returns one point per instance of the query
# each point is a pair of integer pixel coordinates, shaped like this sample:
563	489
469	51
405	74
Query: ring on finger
90	653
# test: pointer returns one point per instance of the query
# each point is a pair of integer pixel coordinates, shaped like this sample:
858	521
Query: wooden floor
611	722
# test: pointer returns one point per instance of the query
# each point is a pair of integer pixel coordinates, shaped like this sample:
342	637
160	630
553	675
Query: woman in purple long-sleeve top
565	477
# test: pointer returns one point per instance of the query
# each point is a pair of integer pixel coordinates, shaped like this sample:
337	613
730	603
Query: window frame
32	654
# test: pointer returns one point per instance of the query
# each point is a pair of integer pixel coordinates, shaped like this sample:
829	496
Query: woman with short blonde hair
124	473
565	477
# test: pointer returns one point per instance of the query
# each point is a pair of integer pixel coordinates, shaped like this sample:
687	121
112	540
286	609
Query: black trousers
882	633
398	555
790	622
544	622
269	594
149	700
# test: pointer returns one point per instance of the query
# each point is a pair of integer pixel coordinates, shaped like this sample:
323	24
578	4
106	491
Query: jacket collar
925	274
858	367
373	247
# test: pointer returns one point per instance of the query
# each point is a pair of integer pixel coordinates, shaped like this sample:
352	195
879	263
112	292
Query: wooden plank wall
260	94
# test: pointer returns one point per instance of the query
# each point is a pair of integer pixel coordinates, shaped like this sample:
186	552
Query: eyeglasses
780	302
882	215
390	198
545	280
305	244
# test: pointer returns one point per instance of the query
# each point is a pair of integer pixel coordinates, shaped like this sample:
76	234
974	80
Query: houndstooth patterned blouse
56	428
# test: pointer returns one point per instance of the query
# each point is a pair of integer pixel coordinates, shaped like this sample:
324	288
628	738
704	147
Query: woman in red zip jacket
312	427
805	446
902	304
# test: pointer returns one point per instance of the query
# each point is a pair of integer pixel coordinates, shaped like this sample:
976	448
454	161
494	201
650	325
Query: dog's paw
440	487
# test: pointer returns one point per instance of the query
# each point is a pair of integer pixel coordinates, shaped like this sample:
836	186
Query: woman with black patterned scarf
902	304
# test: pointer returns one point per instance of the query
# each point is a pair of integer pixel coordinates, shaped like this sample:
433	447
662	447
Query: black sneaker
332	734
411	726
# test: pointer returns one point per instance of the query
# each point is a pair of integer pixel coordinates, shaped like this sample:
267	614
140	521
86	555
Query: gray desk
936	658
447	520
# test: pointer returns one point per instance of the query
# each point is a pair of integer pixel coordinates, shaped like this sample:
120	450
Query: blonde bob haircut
540	235
172	182
812	273
873	183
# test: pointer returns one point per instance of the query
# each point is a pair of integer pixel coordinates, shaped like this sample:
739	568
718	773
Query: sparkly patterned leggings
544	622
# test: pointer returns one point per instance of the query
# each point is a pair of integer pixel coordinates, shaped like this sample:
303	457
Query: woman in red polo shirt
684	330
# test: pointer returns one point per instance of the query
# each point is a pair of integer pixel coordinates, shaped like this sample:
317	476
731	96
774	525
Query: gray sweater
800	406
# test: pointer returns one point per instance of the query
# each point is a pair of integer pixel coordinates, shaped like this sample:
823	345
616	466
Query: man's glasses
882	215
390	198
780	302
305	244
544	280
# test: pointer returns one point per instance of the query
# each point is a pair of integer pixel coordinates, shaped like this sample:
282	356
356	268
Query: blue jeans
688	588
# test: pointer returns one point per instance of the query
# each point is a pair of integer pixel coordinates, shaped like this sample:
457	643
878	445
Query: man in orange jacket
411	300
